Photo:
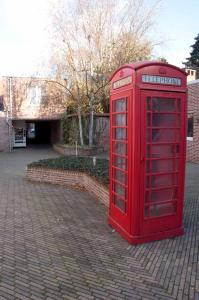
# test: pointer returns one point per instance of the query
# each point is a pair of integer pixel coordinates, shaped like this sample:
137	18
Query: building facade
191	73
193	121
30	112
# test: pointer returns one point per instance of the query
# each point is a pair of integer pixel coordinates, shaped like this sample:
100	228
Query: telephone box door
162	158
119	173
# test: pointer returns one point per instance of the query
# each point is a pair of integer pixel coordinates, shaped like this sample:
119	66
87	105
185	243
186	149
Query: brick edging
64	150
71	179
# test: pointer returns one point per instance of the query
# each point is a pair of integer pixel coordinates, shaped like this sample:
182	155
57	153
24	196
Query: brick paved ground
55	244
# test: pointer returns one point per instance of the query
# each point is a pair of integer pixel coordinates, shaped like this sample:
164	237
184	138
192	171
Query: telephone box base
145	238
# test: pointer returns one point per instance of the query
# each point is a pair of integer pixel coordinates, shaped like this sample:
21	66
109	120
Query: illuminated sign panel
124	81
161	80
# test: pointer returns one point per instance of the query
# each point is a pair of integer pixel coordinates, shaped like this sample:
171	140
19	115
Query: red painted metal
148	109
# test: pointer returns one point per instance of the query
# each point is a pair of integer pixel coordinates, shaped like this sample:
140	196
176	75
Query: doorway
38	132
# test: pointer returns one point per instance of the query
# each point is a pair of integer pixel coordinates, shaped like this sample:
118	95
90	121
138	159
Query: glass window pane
119	189
120	105
120	133
164	180
149	135
163	104
161	151
148	152
146	211
120	148
120	162
120	120
147	182
179	105
164	195
148	103
177	164
148	166
163	166
162	209
165	135
120	176
147	196
165	120
149	120
120	203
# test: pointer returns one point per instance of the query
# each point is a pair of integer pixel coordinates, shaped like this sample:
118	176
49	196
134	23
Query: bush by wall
70	127
99	171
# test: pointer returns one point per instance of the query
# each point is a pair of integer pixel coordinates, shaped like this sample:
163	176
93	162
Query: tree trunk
80	119
80	126
91	119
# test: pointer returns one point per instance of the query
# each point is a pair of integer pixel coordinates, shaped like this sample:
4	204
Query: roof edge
193	82
139	65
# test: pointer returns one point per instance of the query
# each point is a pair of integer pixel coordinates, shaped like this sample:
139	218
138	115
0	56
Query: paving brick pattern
55	244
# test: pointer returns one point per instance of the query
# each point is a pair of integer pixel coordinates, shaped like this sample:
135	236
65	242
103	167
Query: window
1	104
34	95
162	156
119	158
190	128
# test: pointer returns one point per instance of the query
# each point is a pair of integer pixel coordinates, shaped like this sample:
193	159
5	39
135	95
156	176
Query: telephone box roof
146	63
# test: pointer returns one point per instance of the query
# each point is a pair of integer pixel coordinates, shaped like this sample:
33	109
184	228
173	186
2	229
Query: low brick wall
97	189
71	179
64	150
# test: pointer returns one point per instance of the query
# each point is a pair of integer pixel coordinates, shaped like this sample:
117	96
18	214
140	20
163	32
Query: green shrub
78	163
70	126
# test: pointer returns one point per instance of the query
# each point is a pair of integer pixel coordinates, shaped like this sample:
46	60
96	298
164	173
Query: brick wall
70	150
30	99
193	110
102	131
24	94
97	189
4	135
69	178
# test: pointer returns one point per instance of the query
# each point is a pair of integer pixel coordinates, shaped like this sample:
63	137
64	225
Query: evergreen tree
193	60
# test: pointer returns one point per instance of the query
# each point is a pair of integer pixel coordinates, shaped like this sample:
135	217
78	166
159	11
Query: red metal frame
158	174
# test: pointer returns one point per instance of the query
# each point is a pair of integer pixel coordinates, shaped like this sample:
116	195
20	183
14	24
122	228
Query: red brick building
193	121
30	112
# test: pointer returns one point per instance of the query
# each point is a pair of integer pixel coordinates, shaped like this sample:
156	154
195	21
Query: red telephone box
148	106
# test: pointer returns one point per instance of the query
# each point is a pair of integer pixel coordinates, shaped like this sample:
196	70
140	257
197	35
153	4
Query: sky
25	42
177	24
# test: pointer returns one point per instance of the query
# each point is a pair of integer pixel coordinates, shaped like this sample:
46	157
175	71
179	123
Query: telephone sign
161	80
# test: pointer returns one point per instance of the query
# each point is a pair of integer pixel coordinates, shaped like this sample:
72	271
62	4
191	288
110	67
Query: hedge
100	170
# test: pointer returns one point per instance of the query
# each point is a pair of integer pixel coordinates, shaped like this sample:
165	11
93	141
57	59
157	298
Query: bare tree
92	38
